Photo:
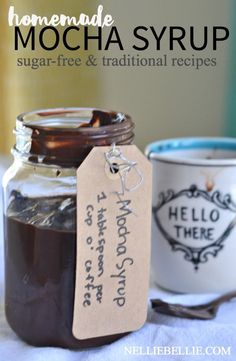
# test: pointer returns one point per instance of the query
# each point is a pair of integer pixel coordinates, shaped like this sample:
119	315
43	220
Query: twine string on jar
118	163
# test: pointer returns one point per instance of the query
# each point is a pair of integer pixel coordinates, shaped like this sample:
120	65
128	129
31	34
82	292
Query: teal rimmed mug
194	214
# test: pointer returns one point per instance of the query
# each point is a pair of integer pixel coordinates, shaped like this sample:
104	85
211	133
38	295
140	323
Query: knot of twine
118	163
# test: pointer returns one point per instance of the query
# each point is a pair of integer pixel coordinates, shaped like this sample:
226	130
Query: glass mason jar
40	218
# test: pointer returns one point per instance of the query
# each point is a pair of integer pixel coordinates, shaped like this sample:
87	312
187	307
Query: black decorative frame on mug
196	255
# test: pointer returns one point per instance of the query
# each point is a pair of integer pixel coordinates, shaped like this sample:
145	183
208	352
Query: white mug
194	214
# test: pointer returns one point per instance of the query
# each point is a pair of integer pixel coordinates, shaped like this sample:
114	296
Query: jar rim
27	120
62	136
